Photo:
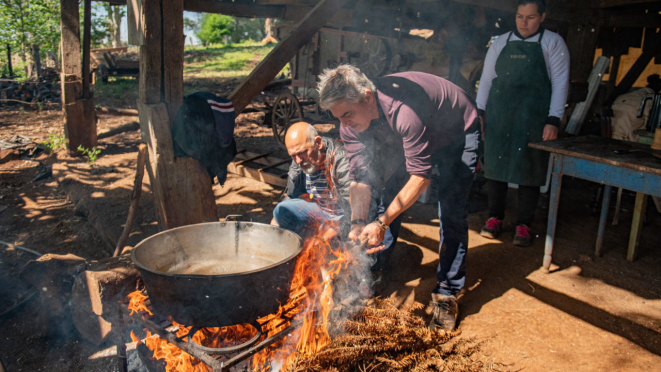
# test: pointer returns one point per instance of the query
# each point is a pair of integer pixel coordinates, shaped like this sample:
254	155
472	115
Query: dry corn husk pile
381	337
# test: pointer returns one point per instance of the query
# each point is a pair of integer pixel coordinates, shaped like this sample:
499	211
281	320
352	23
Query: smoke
351	287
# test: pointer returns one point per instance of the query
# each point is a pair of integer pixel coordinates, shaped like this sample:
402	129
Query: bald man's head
305	146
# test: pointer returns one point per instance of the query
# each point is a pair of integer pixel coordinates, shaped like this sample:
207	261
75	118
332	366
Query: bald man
310	199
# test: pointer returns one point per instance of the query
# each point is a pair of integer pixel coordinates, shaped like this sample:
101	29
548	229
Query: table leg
556	183
616	216
636	225
602	220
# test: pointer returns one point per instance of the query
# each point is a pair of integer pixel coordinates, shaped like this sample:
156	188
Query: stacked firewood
46	89
382	337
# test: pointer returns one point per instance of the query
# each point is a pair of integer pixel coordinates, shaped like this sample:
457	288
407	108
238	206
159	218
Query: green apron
516	111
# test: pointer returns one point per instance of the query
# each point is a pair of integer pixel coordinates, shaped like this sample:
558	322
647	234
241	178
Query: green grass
117	87
215	63
223	61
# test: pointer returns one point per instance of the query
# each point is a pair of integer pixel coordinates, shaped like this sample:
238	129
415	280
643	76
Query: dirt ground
590	314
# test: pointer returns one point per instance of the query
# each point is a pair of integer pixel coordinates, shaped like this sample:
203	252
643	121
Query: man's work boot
491	229
445	312
522	237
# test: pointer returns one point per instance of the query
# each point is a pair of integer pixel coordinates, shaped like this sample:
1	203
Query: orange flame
310	301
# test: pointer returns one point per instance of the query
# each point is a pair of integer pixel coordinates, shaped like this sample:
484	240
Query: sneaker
445	312
522	237
491	229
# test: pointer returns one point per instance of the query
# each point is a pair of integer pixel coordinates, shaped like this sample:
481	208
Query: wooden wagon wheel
375	57
286	111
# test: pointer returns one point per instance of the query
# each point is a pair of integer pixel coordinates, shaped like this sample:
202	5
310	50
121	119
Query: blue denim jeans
456	166
299	216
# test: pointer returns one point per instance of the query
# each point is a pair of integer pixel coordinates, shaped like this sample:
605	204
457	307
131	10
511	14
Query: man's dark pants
456	166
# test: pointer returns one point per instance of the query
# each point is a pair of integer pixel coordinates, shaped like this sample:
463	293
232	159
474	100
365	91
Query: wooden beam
134	22
233	9
151	72
70	37
631	19
632	75
80	125
209	6
611	3
173	55
284	52
181	186
87	34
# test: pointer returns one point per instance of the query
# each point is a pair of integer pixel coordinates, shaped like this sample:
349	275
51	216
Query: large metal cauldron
218	274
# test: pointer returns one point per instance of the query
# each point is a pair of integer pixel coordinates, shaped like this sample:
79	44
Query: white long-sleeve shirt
556	56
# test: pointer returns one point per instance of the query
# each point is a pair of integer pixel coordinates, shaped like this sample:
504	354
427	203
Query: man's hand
550	132
374	236
356	230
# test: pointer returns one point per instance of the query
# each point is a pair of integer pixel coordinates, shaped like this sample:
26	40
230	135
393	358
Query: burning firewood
381	337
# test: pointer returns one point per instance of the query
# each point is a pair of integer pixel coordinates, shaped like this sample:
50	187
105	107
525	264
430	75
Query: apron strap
508	38
541	35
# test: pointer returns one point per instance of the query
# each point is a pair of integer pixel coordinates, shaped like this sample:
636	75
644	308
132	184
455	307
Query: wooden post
181	186
11	70
283	52
87	31
37	60
79	113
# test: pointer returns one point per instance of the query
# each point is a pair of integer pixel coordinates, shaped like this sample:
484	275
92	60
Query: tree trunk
11	70
269	27
117	34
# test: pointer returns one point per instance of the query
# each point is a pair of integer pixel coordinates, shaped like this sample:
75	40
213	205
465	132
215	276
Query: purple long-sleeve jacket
419	114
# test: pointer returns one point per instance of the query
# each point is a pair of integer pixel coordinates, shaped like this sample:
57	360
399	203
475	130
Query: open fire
310	302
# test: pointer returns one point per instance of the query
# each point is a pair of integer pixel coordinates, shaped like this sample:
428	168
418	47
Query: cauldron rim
221	223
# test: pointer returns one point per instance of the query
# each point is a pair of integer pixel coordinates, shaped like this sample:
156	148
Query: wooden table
595	159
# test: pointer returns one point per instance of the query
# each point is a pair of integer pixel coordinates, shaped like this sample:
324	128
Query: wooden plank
80	125
602	150
87	33
173	55
181	186
281	162
283	53
269	178
134	22
581	110
636	225
151	53
251	159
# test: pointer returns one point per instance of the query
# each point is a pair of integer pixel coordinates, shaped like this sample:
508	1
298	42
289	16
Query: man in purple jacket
395	129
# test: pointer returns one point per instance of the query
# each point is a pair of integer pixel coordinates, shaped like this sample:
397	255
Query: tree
24	23
115	14
214	27
248	28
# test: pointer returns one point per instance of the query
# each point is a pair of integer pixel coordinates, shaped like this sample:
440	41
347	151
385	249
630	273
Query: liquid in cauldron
215	267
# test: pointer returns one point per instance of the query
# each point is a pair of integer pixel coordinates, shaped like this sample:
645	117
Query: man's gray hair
343	83
311	133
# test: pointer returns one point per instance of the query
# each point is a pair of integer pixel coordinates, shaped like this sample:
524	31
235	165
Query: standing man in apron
522	93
